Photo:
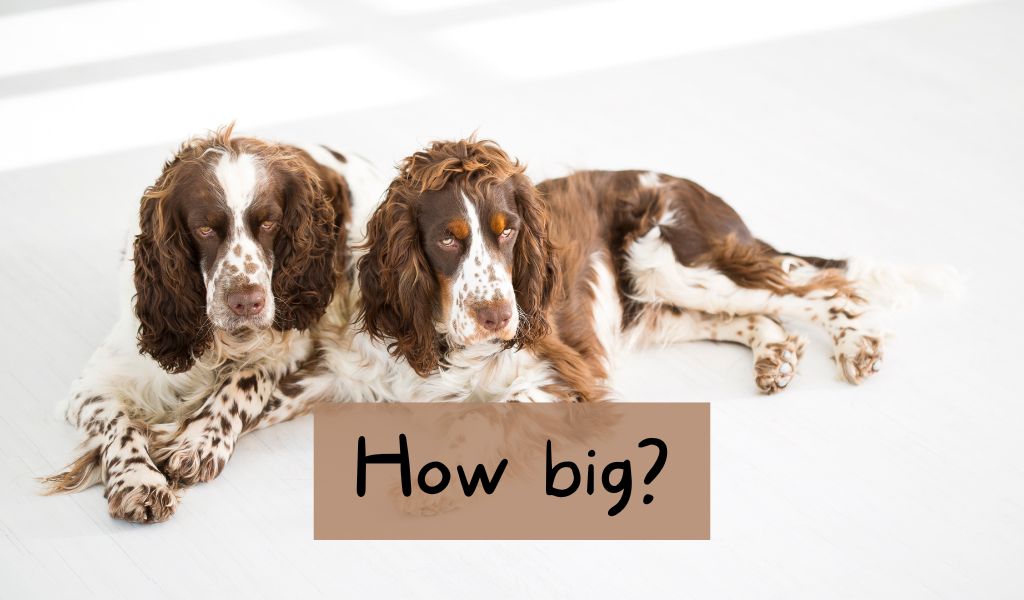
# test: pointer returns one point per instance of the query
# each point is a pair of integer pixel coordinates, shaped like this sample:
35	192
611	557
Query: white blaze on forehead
239	178
485	274
482	278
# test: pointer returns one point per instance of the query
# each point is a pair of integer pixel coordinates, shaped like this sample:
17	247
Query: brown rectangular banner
512	471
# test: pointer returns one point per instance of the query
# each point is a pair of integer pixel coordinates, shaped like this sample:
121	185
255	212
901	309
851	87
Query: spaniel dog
482	286
242	248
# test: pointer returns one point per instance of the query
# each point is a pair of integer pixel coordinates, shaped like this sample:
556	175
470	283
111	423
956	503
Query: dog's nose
247	301
494	317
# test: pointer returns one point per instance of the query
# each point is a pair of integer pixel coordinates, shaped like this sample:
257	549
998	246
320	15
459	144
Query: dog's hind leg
738	275
776	352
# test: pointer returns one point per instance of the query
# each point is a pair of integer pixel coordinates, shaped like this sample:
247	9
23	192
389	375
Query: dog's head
236	234
457	254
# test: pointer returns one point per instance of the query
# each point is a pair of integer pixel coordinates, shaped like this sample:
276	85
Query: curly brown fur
309	251
397	287
535	273
170	299
400	290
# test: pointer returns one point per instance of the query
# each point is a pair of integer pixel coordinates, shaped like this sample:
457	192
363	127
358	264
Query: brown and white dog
243	244
483	286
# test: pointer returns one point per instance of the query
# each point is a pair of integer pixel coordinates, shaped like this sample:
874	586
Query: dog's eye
507	233
449	242
204	231
268	225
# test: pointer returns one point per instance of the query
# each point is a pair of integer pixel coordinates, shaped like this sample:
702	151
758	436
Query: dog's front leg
118	454
199	447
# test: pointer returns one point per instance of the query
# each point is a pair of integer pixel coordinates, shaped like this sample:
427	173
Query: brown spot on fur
337	155
834	311
247	383
498	223
459	228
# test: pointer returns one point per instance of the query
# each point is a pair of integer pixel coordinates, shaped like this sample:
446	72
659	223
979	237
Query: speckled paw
776	364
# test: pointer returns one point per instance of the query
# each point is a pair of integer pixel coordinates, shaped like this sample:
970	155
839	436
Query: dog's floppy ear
398	289
170	296
535	275
307	256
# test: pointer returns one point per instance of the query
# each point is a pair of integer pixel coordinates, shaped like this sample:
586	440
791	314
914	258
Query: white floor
896	135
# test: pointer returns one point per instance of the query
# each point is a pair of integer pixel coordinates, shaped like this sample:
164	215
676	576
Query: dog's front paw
194	459
775	364
140	494
859	356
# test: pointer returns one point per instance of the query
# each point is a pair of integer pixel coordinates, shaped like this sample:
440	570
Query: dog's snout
494	317
247	301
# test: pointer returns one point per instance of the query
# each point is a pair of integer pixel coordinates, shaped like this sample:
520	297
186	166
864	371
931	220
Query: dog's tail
894	286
